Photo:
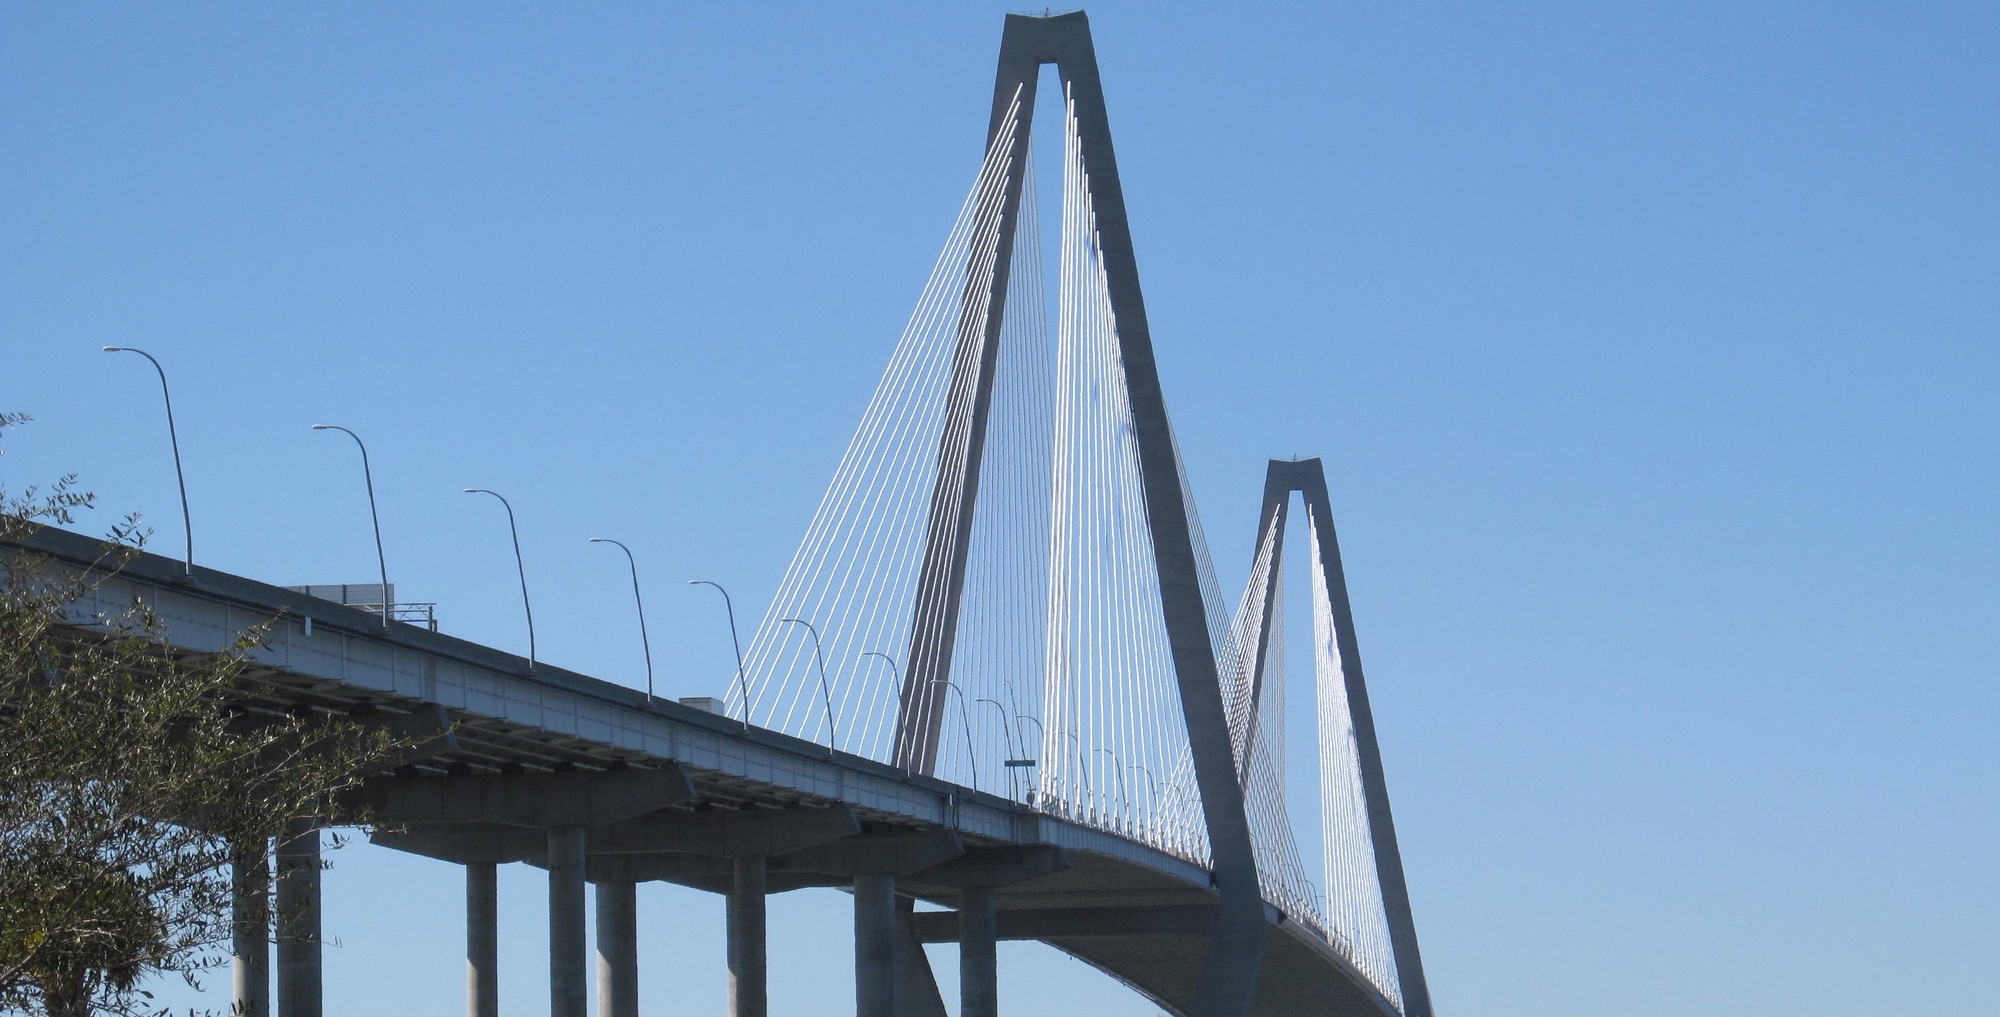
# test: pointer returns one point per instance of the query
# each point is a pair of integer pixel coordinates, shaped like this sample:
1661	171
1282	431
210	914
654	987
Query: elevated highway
666	791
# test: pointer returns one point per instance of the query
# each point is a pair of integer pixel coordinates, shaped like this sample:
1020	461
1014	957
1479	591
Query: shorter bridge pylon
1367	898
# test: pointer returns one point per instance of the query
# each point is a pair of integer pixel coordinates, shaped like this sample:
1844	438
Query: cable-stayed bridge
1013	521
999	675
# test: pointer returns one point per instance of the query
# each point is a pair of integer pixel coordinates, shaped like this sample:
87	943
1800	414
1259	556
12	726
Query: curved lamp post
369	475
832	735
644	643
519	566
1118	768
1005	724
1152	793
965	718
187	524
964	715
1154	781
1082	763
1014	759
742	683
1041	735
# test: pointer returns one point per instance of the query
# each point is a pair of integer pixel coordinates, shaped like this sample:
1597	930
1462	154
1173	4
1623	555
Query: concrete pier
617	949
874	945
482	940
569	990
748	988
298	918
250	932
978	957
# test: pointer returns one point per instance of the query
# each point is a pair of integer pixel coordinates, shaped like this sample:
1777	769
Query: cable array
1115	751
1061	689
1359	922
1252	669
1058	682
854	577
993	696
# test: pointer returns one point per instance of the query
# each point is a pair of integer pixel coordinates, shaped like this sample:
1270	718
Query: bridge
999	676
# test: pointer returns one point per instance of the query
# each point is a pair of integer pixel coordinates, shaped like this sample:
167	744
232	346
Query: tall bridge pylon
1010	540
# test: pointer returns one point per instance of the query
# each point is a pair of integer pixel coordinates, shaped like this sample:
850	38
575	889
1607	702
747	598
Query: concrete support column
875	946
748	993
482	940
569	990
978	957
298	915
250	932
617	949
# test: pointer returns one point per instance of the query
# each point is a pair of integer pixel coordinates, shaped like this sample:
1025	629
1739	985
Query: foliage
128	778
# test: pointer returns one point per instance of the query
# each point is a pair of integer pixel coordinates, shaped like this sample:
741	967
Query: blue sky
1651	350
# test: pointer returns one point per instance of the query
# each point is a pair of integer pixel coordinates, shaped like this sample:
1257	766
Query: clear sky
1651	349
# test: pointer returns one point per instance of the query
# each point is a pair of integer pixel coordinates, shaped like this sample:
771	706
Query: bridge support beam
482	940
875	945
748	988
976	874
298	916
617	949
250	940
978	954
1075	923
881	928
544	800
569	993
917	992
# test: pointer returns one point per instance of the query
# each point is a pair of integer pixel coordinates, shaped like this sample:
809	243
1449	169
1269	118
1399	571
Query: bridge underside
1297	976
1151	931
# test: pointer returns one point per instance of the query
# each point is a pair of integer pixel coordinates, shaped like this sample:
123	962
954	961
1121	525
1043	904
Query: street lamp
1014	759
375	517
964	717
644	643
832	736
520	567
1082	764
1117	768
1005	724
1152	793
187	524
1155	781
742	683
1041	737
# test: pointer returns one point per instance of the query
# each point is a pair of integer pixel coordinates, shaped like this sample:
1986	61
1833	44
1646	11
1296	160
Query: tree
129	781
